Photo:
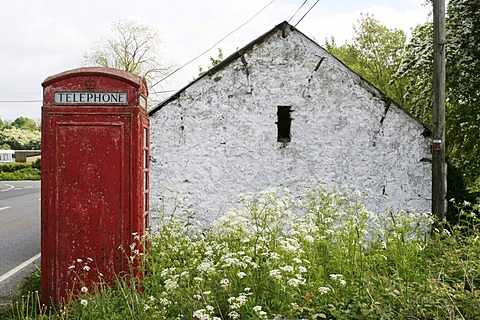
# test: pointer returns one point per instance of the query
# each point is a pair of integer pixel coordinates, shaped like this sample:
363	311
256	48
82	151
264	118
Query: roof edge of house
237	54
283	26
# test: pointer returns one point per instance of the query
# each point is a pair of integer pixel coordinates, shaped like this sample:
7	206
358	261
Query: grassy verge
324	257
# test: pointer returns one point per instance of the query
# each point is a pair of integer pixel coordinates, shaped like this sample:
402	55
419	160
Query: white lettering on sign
91	98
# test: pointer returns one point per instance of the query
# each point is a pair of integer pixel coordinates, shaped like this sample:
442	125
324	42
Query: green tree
463	86
375	53
462	83
416	70
25	123
20	139
131	47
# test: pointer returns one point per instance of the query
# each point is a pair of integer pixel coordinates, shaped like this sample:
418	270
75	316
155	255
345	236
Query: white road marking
18	268
4	208
10	187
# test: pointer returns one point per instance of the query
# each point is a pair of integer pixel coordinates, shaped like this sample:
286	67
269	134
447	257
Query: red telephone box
95	161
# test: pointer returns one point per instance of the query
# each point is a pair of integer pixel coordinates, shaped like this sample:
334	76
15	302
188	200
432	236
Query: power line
297	11
213	46
19	101
307	12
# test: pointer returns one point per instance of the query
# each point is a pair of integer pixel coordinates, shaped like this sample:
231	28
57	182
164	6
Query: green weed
277	257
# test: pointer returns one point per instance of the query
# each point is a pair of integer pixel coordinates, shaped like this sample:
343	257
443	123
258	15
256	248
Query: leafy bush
324	257
13	166
37	164
17	171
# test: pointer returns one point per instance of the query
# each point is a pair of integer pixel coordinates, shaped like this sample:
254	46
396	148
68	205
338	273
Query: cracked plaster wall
218	138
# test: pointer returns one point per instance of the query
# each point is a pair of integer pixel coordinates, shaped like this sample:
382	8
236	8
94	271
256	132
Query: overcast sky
43	38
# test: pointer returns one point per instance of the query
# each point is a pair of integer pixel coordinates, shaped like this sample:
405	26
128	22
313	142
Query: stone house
281	112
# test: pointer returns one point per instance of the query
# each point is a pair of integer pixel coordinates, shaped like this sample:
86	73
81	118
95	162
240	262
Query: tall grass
321	257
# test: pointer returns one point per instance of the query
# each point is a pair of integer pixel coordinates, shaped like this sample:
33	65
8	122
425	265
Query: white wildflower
309	238
335	276
86	268
170	284
287	245
242	299
146	307
205	266
84	290
210	308
287	268
234	315
241	275
296	260
166	271
257	308
295	282
198	279
275	273
201	314
224	283
302	269
274	256
84	302
324	290
164	302
342	282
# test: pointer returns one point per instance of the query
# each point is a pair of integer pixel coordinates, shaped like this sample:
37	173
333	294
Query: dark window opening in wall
284	121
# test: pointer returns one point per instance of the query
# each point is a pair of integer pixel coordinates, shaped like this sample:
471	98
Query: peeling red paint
94	180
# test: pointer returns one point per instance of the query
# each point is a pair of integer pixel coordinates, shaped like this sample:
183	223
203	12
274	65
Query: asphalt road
19	231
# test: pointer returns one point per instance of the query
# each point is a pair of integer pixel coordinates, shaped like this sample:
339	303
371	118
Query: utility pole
438	159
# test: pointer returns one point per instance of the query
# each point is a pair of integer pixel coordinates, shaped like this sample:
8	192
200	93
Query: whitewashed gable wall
218	139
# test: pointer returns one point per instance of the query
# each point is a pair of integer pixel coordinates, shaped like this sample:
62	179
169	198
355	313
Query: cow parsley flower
224	283
170	284
324	290
302	269
201	314
287	268
309	238
275	273
294	282
335	276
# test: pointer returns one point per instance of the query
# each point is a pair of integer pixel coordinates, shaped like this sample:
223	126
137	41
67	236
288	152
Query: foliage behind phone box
16	171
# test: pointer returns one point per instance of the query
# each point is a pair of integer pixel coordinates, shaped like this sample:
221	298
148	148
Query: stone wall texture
218	137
